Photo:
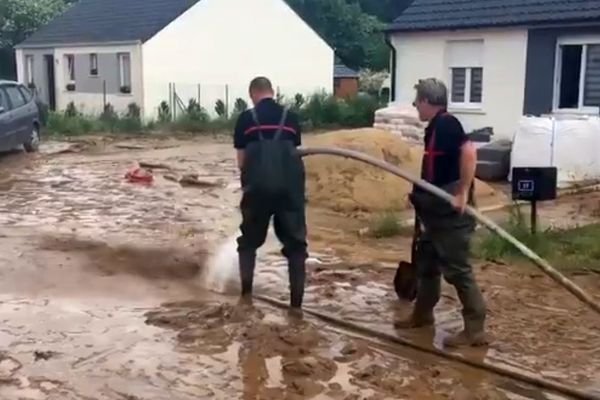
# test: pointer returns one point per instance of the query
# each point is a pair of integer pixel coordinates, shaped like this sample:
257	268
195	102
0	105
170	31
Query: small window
14	95
467	86
29	70
70	67
94	64
124	72
3	101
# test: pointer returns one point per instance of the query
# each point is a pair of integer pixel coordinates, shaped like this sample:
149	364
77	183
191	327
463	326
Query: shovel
405	280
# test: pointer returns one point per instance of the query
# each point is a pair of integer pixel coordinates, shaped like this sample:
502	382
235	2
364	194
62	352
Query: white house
140	51
501	58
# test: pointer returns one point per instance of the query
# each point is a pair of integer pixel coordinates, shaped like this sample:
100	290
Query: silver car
19	117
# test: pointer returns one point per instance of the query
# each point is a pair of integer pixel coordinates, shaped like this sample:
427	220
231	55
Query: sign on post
534	184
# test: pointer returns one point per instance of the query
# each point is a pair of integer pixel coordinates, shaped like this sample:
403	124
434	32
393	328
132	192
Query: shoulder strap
281	124
255	119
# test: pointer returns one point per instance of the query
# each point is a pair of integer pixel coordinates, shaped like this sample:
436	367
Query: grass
566	249
388	225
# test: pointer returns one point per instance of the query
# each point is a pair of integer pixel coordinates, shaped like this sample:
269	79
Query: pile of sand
348	186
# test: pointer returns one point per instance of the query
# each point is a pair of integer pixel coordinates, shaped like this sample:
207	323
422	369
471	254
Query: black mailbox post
534	184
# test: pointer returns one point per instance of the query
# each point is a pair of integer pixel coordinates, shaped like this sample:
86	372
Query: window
578	76
29	70
26	93
70	68
3	101
93	64
124	72
465	64
14	95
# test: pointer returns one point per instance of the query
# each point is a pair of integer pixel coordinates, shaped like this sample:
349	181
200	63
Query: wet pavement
100	296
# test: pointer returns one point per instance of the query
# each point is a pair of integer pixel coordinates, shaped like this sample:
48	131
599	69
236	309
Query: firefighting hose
371	334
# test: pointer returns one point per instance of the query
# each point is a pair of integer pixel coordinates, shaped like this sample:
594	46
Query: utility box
534	183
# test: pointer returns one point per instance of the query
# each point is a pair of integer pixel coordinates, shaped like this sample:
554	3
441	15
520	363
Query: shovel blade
405	281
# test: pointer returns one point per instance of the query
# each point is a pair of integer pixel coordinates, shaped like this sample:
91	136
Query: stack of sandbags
401	120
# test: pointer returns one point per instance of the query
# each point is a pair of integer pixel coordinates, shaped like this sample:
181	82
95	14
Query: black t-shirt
444	138
269	115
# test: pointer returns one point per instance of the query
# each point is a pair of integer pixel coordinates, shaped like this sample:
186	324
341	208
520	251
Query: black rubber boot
247	262
428	295
474	314
297	272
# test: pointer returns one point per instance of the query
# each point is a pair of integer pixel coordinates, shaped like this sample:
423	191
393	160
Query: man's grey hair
433	91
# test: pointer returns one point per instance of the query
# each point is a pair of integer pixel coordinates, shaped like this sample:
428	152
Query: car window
3	100
16	98
26	93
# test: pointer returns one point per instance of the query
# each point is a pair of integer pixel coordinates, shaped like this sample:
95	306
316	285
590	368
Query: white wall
423	55
219	42
20	65
93	103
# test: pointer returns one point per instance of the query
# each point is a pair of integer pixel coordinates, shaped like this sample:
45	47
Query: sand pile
349	186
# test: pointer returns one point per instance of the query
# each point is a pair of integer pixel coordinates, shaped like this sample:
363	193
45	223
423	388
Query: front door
51	84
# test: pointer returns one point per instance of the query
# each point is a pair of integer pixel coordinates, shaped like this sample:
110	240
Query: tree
18	19
356	36
385	10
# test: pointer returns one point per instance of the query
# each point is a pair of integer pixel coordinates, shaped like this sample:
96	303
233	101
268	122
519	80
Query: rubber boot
474	312
247	262
428	295
297	272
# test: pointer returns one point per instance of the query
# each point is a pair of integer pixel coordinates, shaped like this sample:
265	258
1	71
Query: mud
100	296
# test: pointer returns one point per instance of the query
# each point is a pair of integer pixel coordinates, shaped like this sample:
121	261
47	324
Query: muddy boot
297	272
247	262
428	295
474	312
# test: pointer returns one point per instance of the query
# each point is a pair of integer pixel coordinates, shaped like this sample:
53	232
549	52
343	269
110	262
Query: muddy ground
100	295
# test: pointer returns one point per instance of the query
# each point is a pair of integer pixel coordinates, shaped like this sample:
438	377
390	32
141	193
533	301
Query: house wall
422	55
541	57
345	87
40	75
89	90
88	96
229	42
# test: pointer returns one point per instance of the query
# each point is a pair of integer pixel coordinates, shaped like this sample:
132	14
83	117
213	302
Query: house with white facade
141	51
501	59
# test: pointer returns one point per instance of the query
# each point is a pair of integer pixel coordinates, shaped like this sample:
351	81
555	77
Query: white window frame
70	68
467	104
29	68
121	57
93	64
577	41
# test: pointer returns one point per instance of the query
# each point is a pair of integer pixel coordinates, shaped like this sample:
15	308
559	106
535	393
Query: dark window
591	92
459	83
476	85
570	76
14	95
94	64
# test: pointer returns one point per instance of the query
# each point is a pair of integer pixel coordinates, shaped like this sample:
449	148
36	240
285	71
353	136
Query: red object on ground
139	175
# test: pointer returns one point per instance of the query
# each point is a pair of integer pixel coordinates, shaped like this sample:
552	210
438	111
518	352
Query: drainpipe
392	68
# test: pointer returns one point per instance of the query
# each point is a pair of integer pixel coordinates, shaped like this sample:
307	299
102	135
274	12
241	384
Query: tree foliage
20	18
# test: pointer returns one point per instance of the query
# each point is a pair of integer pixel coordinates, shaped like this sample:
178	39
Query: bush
71	110
164	112
386	225
195	112
220	108
240	106
133	111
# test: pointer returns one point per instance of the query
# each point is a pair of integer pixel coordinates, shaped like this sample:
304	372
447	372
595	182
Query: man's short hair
261	84
433	91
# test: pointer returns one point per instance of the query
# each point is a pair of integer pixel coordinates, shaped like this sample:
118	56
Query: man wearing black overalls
270	121
449	163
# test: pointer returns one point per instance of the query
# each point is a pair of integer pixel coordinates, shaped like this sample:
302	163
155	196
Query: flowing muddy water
100	296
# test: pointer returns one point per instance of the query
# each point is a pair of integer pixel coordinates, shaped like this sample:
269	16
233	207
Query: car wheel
33	142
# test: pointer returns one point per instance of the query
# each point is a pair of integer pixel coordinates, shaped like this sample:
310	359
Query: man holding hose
449	163
273	182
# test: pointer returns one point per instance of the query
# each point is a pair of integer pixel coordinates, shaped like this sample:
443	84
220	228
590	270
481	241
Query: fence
177	97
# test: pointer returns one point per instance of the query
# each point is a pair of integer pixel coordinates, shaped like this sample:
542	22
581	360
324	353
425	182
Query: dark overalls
444	243
267	121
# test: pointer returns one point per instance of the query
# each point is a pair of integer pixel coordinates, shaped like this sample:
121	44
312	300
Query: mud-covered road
100	296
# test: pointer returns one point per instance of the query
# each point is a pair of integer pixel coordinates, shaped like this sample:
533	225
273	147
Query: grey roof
459	14
341	71
97	21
